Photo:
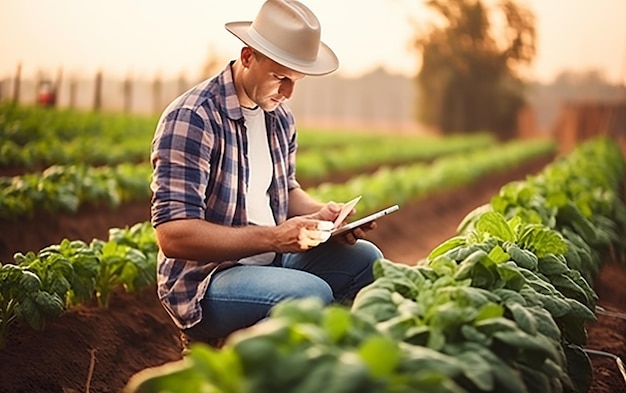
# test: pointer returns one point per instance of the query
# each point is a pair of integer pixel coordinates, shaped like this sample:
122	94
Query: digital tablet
345	211
355	224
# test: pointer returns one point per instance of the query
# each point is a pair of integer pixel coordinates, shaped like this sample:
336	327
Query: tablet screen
364	220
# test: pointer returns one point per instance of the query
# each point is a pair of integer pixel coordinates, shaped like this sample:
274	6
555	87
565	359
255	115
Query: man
236	232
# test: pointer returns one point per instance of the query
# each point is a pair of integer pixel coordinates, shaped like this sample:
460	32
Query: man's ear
246	56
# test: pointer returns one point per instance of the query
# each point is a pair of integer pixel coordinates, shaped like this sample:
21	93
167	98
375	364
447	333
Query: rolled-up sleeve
180	158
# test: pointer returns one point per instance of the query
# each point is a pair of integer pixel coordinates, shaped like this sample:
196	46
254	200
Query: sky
146	38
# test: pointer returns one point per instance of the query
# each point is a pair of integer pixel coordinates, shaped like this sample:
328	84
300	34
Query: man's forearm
199	240
301	203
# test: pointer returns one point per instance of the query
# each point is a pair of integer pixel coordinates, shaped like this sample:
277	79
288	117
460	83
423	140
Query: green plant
22	297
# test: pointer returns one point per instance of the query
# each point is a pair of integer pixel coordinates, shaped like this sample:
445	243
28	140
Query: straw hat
288	32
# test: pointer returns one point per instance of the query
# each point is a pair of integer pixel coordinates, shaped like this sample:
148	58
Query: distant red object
46	96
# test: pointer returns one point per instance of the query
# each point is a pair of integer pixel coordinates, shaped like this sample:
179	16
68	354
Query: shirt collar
231	102
232	106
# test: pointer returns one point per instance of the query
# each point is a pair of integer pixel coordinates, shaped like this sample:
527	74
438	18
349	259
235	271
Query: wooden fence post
56	87
97	100
128	93
16	85
38	81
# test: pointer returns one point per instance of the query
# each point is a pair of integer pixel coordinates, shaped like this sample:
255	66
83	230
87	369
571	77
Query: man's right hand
299	234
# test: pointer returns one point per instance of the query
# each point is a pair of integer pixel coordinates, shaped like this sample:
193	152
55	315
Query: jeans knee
368	250
322	291
312	287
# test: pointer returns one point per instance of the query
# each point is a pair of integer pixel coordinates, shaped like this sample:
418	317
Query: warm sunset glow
143	37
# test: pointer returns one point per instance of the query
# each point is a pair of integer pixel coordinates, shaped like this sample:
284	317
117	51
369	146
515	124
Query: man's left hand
352	236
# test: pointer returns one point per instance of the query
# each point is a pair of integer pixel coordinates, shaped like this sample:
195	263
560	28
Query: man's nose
286	88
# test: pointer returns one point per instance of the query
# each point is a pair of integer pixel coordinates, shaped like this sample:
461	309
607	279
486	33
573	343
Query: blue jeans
242	295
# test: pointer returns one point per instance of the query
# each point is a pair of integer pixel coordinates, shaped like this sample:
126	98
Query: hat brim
325	63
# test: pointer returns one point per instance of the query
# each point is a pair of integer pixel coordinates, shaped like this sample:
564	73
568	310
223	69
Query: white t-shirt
261	171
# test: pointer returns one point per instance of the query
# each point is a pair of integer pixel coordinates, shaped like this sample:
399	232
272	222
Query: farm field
102	349
92	349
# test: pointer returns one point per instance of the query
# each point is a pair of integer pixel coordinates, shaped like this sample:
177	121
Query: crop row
391	185
39	286
499	307
66	188
34	137
317	164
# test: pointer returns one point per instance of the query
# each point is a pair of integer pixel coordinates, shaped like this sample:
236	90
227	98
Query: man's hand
331	210
302	233
352	236
327	212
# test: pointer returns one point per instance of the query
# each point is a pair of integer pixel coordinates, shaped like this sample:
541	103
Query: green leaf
571	214
337	322
128	275
443	266
417	335
29	282
454	242
470	333
507	379
498	255
436	339
536	382
477	370
308	310
476	297
381	355
523	258
524	318
49	304
551	264
466	268
468	221
189	375
542	241
579	310
558	307
579	367
489	313
374	303
491	325
495	225
24	259
27	310
509	296
545	323
509	271
401	275
569	288
485	277
537	345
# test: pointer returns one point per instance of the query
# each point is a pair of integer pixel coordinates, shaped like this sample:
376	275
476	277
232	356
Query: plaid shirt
201	171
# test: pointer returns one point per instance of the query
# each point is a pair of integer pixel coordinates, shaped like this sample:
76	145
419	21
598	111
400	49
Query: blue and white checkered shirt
201	171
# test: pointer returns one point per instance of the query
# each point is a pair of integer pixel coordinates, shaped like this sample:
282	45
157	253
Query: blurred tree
471	65
588	84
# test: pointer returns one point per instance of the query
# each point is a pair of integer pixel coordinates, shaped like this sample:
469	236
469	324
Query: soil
88	349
